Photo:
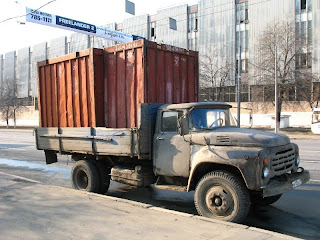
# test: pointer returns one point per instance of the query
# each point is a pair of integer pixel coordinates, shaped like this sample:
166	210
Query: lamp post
276	99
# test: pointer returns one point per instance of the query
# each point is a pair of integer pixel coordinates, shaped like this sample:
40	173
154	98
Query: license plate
296	183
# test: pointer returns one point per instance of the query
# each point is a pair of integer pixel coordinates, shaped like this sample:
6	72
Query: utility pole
239	69
276	99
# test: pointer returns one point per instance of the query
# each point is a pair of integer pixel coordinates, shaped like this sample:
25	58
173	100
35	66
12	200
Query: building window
153	31
192	22
242	12
303	4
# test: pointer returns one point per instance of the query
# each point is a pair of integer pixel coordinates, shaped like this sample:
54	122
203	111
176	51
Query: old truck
101	106
183	147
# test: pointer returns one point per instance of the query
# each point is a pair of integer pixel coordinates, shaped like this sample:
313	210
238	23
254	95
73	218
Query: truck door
171	152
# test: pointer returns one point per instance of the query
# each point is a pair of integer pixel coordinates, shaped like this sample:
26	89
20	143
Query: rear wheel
222	195
85	176
104	176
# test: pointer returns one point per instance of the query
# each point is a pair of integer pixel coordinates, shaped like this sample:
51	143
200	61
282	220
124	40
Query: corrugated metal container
104	88
71	90
146	72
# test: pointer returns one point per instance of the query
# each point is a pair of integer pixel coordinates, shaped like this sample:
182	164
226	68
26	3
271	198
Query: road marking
22	178
314	180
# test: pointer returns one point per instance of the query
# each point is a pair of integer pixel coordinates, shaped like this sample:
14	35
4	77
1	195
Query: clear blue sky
98	12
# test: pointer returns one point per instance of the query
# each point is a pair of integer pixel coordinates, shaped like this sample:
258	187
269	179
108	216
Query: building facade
225	32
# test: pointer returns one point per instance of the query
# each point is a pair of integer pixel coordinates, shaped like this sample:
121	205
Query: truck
192	146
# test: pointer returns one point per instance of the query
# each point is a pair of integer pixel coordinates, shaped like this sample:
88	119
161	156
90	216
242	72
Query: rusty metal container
71	90
146	72
104	88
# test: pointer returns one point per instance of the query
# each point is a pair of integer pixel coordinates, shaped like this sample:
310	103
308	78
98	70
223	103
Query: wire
29	12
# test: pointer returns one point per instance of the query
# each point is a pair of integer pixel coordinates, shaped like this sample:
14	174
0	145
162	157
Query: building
219	29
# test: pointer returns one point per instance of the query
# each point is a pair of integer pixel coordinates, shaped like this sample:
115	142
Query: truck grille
283	160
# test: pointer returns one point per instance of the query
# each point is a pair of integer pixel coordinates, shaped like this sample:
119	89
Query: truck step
171	187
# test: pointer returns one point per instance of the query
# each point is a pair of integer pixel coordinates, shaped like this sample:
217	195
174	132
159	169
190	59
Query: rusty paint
104	88
146	72
69	86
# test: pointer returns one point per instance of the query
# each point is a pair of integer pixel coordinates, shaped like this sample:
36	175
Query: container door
171	152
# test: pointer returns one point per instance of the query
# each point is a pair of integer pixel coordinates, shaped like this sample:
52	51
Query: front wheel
222	195
257	200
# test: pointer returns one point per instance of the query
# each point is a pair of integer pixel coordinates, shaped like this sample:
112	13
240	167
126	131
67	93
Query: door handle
160	138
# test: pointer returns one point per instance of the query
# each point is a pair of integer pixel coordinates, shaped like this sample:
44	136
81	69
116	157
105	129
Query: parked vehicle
192	146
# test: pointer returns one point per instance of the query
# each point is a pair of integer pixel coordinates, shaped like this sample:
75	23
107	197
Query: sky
15	35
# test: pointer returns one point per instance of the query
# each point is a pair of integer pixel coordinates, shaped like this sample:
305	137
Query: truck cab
197	146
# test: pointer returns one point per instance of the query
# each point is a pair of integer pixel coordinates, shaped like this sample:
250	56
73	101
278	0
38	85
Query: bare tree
285	52
215	73
9	102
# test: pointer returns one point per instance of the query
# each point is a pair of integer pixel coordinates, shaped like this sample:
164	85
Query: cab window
170	121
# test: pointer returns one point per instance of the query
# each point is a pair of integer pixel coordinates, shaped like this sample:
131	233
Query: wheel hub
82	180
219	201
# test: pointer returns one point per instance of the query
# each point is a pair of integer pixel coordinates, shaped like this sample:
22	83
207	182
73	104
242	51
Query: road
297	213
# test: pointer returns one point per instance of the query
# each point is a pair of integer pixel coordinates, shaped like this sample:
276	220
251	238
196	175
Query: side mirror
183	126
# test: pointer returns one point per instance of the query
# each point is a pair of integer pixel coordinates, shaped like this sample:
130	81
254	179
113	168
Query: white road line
22	178
314	180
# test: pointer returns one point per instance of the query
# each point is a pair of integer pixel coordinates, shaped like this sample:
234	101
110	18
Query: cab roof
195	105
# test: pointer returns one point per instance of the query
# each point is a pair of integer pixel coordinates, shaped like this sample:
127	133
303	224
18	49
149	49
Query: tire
257	200
85	176
104	176
222	195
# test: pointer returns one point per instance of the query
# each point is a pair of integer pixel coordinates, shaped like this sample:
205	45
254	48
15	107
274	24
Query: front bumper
286	183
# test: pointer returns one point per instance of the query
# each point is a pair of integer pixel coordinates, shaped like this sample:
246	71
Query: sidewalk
31	210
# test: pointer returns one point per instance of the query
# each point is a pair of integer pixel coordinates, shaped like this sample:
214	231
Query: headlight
265	172
297	160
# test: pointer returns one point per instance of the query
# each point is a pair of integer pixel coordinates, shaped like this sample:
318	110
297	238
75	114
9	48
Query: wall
298	113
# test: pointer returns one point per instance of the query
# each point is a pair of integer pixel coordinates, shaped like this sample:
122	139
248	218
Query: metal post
239	74
276	129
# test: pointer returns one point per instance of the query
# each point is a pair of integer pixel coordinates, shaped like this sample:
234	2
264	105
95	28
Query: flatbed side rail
94	141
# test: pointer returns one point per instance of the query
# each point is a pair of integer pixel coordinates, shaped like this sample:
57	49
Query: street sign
77	26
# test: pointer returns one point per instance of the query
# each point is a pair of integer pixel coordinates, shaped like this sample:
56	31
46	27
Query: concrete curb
187	215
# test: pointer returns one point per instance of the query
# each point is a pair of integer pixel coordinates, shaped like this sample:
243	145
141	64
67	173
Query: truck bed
87	140
132	142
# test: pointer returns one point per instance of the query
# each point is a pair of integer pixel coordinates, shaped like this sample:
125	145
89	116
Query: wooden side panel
61	95
145	72
98	62
152	76
121	90
75	93
42	97
83	92
130	88
168	77
160	77
140	81
48	97
69	94
69	87
191	84
110	86
54	95
184	78
176	78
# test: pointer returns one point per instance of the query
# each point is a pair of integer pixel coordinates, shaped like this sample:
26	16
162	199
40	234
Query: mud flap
51	156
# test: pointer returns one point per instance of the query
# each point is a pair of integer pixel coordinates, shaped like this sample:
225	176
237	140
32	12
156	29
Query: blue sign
70	23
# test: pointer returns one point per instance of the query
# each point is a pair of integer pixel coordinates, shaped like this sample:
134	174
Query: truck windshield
208	118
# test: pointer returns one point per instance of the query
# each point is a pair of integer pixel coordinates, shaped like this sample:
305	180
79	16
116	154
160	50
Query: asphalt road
297	213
